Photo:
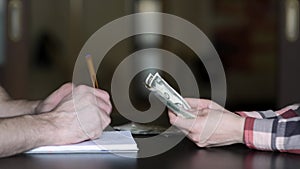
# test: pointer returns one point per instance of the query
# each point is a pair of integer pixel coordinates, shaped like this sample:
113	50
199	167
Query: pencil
89	61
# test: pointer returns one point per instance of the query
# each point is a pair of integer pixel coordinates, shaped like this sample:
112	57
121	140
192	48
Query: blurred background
257	41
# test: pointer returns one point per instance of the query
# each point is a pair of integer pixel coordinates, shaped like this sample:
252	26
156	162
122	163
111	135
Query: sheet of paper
109	141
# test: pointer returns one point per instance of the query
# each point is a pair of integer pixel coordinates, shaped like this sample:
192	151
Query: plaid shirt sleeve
273	130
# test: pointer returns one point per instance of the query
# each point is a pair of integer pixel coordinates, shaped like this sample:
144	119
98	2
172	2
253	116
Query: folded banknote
168	96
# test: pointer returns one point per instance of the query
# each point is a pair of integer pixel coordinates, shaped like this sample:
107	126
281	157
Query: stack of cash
168	96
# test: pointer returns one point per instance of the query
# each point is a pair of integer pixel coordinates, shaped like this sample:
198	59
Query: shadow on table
237	157
228	157
67	161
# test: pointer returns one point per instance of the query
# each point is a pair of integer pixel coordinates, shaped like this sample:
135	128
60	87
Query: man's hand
54	99
80	115
74	114
214	125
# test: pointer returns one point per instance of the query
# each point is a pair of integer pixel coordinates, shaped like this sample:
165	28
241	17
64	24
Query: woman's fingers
186	124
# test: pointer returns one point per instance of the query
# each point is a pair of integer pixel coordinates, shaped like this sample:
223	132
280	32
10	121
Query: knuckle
109	109
67	85
194	130
195	138
205	111
201	145
106	95
106	120
172	120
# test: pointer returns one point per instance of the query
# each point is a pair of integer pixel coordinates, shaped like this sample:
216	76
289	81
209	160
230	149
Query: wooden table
183	156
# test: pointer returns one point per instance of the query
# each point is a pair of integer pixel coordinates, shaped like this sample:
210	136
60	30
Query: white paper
109	141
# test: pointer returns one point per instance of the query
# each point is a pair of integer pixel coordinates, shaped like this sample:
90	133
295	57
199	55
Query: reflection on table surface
184	156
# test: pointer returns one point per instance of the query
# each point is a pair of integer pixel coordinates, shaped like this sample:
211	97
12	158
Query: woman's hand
213	126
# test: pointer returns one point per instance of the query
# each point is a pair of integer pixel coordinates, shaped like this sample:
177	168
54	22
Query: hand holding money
169	96
205	122
214	125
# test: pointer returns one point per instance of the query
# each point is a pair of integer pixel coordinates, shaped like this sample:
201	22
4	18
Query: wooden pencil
90	64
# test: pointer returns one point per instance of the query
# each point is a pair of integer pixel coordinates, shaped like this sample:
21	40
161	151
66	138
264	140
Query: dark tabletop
183	156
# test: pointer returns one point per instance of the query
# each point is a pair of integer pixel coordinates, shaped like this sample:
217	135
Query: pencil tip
88	55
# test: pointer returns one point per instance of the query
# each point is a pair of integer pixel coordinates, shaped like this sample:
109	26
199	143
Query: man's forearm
23	133
12	108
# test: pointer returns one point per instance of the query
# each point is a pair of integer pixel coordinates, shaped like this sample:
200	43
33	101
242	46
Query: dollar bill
168	96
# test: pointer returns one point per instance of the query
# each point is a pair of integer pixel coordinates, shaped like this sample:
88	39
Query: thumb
55	98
